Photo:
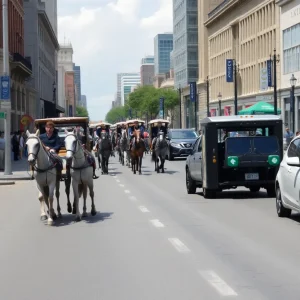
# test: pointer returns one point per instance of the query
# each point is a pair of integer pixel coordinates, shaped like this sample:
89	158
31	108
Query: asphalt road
149	240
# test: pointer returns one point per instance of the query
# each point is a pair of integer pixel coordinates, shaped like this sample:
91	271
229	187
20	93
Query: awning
259	108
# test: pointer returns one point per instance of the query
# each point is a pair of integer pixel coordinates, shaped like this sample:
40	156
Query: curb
7	182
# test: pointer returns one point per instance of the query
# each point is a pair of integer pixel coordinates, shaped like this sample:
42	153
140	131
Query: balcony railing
17	57
218	8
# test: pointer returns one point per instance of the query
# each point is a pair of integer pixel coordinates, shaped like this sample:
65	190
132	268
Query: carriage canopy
156	125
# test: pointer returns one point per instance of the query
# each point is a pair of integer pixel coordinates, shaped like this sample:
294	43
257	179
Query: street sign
2	115
229	70
5	88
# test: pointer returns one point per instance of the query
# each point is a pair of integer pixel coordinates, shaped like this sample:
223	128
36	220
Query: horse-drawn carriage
158	130
74	142
64	125
103	144
157	125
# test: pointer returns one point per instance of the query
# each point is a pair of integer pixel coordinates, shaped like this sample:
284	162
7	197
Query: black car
180	142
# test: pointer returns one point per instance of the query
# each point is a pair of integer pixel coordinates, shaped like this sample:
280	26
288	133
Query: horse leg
163	165
52	216
157	164
57	194
42	204
84	193
106	165
76	200
92	195
140	164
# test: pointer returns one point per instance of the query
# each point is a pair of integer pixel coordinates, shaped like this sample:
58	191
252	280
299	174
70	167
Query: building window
291	49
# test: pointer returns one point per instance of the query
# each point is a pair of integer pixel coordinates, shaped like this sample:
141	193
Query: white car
288	181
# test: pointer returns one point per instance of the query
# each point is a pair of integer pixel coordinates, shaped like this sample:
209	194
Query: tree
81	111
146	99
116	114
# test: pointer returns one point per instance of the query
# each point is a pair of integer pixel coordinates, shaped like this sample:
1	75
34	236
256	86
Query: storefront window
190	113
287	113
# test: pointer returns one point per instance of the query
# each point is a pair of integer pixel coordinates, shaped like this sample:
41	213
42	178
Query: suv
181	142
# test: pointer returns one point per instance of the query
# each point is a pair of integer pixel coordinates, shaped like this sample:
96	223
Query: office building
65	60
41	46
163	45
83	101
77	79
147	70
246	32
127	83
290	60
185	35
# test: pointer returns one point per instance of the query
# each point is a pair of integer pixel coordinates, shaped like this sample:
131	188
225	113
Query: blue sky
108	37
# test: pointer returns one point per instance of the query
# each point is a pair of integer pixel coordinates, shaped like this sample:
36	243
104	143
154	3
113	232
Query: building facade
118	96
41	45
163	45
84	101
185	35
127	83
247	32
77	78
147	70
22	96
290	59
65	60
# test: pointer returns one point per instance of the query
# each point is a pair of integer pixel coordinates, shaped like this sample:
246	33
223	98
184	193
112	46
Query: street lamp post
180	117
207	97
6	73
293	81
219	99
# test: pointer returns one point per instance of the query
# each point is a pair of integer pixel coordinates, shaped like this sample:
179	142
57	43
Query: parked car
181	142
288	180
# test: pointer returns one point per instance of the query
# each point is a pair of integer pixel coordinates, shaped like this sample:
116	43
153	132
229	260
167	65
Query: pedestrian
15	146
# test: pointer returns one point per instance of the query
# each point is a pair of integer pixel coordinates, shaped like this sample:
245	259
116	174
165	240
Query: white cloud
111	39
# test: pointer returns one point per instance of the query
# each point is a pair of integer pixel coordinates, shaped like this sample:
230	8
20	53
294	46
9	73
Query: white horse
81	173
44	167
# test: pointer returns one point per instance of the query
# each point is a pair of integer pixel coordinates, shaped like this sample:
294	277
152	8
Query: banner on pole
229	70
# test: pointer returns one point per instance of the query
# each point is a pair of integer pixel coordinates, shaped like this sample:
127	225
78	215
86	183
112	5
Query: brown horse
137	152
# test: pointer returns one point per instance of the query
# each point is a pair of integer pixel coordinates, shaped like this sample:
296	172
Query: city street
149	240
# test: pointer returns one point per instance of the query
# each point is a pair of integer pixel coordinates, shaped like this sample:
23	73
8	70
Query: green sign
2	115
273	160
232	161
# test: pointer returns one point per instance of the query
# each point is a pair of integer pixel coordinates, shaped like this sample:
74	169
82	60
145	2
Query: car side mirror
293	161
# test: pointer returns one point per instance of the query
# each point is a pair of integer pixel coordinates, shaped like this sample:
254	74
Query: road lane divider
179	245
217	283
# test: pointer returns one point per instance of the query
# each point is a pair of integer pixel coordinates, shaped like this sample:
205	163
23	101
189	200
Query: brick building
20	67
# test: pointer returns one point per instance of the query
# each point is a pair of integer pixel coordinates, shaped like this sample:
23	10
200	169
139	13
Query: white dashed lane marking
121	185
157	223
132	198
143	209
127	192
218	283
118	180
179	245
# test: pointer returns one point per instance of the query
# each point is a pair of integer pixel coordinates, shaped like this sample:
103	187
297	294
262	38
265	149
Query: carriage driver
52	144
136	127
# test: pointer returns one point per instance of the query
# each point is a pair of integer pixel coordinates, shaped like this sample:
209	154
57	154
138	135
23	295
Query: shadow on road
68	219
238	195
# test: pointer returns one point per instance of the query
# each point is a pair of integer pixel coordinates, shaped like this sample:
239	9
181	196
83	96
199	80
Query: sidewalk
20	170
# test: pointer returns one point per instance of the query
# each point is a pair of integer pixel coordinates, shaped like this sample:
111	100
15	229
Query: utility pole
275	60
180	117
207	97
235	89
5	87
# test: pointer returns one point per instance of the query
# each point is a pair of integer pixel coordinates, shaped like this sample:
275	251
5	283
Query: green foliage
81	111
116	114
146	99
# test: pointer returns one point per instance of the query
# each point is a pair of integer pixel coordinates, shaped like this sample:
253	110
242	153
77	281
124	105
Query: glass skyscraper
163	45
77	80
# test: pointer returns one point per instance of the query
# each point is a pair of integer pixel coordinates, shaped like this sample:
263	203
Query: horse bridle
77	140
39	147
